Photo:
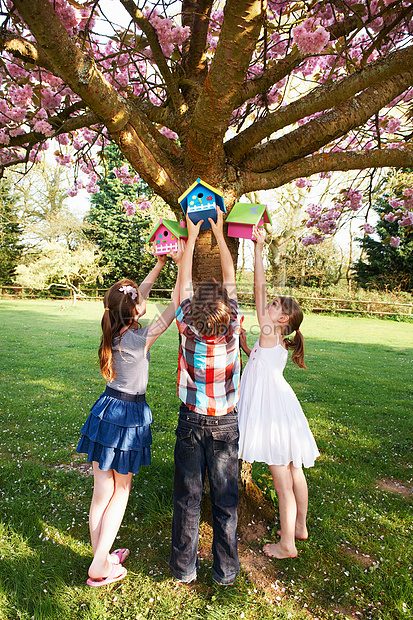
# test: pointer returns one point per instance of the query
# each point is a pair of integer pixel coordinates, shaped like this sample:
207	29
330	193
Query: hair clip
129	290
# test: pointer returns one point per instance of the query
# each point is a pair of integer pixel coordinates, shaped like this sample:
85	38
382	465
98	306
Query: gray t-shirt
130	363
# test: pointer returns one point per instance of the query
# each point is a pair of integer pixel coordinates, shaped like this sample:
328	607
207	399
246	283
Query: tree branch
150	32
28	51
195	14
237	41
71	124
321	98
73	66
284	67
325	162
329	126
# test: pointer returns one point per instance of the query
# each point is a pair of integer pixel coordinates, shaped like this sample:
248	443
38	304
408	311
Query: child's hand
218	226
177	256
258	234
193	229
161	260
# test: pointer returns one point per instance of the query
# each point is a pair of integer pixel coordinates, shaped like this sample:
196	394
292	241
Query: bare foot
300	535
102	571
276	551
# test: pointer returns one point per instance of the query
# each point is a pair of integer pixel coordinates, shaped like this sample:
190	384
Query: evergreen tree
10	231
120	237
382	266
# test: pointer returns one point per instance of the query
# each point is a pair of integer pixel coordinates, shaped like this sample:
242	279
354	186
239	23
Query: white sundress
272	425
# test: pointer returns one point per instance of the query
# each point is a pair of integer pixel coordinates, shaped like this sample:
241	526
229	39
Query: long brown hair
119	312
295	317
210	309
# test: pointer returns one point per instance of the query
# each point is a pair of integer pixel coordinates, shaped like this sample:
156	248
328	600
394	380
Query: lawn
358	562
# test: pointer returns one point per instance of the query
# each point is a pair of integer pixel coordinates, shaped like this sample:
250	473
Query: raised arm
149	281
260	286
227	264
186	289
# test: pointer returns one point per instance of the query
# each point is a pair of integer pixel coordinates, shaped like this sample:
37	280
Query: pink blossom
4	138
407	219
390	217
408	191
21	96
393	125
300	182
15	70
18	114
130	207
312	240
395	242
43	127
144	204
64	139
41	113
308	40
16	131
369	229
395	203
168	133
50	100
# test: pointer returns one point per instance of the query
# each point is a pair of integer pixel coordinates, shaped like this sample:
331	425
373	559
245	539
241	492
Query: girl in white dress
273	427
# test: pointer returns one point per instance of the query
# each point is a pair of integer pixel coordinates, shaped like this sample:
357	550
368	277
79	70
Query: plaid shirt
209	368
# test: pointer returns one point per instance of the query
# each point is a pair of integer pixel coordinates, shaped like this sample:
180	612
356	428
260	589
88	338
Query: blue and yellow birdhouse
200	201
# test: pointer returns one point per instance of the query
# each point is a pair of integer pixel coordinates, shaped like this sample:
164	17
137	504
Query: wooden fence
246	298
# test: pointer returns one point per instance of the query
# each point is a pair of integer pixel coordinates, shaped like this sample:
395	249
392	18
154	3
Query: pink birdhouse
244	217
165	236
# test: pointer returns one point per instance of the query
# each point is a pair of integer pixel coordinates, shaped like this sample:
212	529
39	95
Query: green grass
357	563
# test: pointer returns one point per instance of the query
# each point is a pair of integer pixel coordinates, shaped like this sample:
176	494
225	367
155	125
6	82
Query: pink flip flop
119	556
103	581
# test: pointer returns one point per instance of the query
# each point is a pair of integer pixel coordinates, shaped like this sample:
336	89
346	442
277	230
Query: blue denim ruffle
117	435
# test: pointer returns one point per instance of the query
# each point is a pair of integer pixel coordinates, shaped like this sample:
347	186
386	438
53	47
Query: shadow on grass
357	559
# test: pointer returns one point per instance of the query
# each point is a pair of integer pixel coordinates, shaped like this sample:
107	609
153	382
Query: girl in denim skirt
116	436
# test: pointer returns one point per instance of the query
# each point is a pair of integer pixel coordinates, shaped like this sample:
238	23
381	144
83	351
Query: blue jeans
205	442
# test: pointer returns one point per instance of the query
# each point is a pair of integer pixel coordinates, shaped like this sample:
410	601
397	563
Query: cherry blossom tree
247	94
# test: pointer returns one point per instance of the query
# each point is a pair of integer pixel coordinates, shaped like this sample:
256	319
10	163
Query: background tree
59	267
386	263
11	247
248	98
121	237
41	200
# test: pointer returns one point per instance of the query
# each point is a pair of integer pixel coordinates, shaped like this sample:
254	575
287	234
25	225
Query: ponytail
105	349
297	346
295	317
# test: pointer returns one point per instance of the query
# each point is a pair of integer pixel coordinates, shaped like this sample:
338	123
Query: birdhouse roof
248	213
174	228
200	182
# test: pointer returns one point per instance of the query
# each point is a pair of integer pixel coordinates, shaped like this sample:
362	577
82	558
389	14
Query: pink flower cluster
403	209
325	220
313	239
169	34
310	36
351	199
132	207
168	133
301	183
125	176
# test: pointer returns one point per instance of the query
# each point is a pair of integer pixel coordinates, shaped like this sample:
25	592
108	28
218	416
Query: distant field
358	562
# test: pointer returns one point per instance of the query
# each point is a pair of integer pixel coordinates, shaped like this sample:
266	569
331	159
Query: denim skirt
117	433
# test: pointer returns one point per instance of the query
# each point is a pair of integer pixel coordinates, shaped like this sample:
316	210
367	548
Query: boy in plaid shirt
209	324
